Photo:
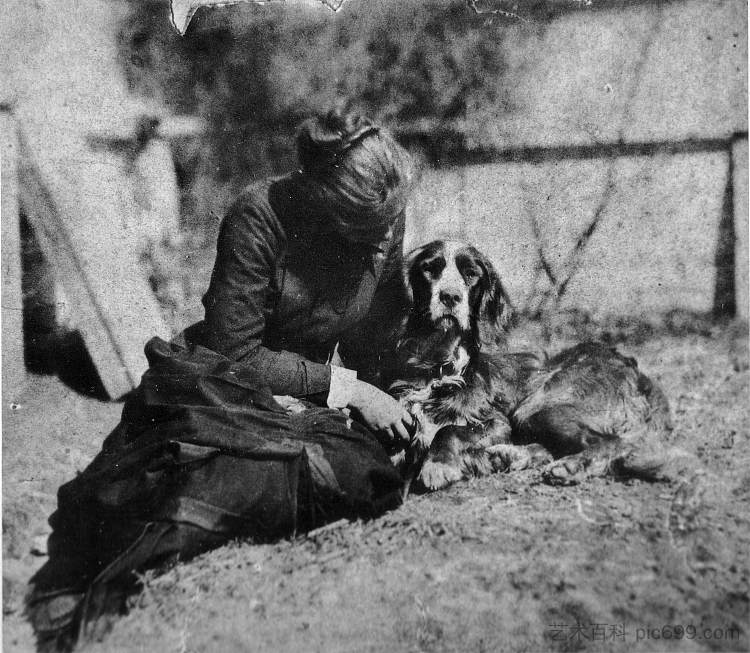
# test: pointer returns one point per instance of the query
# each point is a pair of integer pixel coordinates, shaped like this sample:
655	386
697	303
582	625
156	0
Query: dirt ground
503	563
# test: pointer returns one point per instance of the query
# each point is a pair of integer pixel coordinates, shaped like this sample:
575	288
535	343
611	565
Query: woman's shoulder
252	214
253	198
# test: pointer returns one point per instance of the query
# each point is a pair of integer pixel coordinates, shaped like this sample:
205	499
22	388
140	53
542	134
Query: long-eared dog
586	411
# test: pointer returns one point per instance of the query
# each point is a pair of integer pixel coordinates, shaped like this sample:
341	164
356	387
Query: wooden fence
614	228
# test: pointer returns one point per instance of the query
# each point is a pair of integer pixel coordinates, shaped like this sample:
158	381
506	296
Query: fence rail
443	149
729	253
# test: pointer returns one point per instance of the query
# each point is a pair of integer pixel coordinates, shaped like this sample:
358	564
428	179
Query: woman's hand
381	413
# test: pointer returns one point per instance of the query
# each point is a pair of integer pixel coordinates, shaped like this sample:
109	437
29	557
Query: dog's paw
538	455
667	465
435	476
503	456
565	471
476	462
513	458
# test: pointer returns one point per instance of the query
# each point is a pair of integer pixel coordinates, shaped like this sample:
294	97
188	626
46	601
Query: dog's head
453	286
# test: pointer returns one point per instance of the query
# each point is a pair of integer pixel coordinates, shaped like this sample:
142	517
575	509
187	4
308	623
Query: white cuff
342	385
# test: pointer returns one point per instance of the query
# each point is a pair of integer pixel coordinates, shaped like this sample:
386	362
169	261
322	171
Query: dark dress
203	452
282	294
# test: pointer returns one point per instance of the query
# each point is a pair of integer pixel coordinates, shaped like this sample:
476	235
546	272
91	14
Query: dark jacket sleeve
368	347
247	254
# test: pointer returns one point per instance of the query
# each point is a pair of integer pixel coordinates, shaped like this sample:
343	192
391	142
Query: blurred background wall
629	120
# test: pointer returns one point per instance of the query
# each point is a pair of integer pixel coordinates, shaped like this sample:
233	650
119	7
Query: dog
588	411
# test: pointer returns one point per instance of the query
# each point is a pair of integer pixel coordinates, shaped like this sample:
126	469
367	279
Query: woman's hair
355	172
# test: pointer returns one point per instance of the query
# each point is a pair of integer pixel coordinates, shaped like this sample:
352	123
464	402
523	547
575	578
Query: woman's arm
250	242
248	248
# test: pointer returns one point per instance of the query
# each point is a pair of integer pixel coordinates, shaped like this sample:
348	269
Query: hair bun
358	185
321	139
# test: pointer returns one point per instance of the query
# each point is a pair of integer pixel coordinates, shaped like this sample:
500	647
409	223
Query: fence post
739	167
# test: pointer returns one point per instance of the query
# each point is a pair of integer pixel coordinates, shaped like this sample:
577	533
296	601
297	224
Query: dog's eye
471	274
428	267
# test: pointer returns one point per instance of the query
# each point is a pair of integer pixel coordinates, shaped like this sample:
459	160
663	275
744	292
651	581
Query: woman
300	261
203	452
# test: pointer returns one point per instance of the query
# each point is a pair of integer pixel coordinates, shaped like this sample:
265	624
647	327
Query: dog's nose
450	297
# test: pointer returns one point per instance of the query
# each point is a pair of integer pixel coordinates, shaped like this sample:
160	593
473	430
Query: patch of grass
576	325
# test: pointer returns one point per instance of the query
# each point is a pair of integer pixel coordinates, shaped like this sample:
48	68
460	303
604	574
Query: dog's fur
587	411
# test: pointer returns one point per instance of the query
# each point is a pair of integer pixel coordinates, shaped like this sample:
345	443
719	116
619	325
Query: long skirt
203	454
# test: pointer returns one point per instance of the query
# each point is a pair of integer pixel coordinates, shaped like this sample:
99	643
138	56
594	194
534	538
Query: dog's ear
493	310
408	271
